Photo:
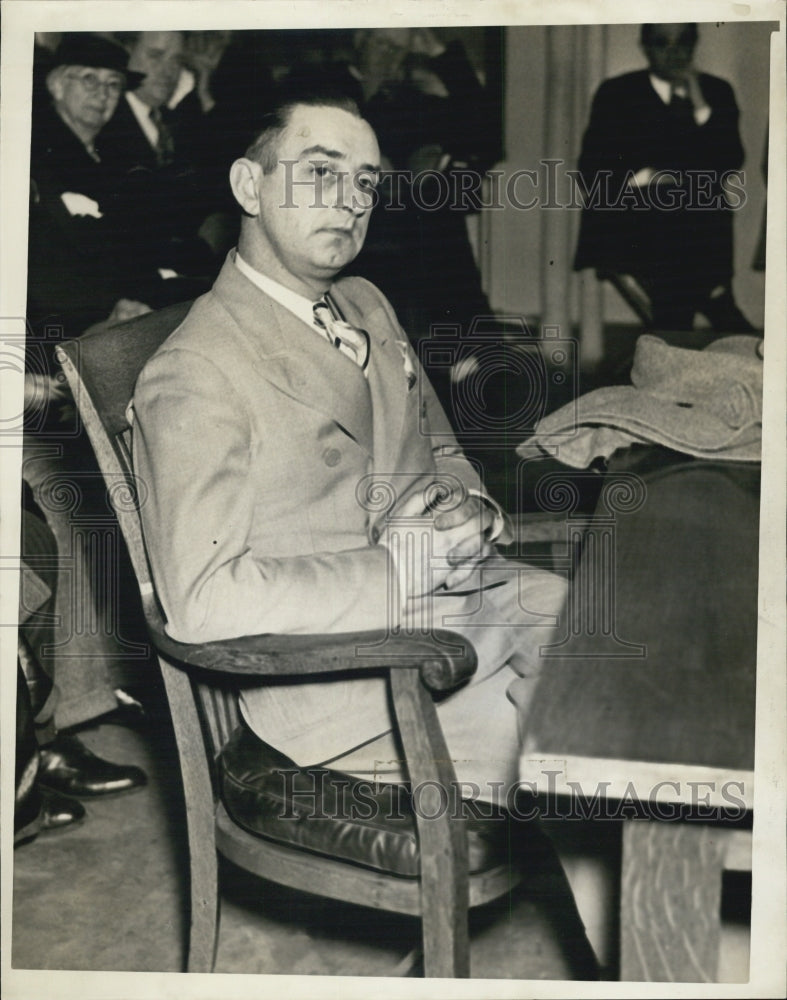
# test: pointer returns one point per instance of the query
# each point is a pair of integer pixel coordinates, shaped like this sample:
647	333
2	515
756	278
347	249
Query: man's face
86	98
313	209
159	55
669	51
381	54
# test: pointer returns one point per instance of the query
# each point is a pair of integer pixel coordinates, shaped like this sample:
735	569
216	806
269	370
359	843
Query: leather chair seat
331	813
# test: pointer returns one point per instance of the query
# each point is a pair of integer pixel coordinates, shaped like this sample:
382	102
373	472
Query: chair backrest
102	370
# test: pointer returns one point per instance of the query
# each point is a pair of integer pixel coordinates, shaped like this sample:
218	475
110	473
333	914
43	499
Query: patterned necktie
165	145
351	340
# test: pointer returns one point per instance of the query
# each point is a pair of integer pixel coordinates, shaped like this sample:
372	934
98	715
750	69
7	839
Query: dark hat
81	48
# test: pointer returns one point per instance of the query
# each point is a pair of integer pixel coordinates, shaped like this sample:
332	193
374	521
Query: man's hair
271	126
129	39
690	33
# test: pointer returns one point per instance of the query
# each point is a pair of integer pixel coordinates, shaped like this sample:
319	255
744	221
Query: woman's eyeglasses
92	83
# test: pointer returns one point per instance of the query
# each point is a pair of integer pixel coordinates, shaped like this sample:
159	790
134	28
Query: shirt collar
297	304
141	112
662	87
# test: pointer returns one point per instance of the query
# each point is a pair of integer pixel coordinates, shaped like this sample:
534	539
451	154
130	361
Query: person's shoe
59	811
69	768
55	813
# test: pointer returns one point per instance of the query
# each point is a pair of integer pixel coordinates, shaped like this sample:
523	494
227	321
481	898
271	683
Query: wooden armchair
101	369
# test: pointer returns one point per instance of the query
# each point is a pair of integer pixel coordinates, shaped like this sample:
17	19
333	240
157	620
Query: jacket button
332	456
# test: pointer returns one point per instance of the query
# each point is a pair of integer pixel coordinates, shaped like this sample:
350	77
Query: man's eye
323	170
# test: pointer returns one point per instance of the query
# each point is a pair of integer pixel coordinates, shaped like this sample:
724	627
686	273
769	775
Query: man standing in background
658	166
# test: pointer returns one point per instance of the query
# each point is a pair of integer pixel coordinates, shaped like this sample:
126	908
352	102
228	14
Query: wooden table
647	699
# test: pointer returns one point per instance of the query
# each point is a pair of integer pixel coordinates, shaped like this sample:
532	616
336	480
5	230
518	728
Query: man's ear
245	176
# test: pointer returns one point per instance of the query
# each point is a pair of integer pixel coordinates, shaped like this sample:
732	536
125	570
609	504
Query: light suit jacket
254	441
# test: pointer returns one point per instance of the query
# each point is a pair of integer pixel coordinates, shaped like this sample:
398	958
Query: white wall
513	239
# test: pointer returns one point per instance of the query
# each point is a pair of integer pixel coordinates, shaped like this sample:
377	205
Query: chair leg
204	932
446	942
200	819
441	830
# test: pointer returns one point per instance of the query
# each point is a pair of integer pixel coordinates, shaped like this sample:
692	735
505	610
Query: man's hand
424	42
696	96
445	547
203	55
478	519
691	81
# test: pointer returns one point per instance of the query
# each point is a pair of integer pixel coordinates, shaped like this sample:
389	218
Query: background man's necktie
165	145
681	106
353	341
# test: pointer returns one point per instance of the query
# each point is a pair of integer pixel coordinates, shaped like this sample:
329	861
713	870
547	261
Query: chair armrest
444	659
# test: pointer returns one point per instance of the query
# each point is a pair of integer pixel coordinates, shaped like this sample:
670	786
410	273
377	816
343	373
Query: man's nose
354	198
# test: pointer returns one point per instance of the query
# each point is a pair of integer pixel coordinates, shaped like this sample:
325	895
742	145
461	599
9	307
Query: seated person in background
154	148
232	87
53	767
81	267
264	426
654	156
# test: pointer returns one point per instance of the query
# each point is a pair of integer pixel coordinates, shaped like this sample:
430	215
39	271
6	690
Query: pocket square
409	368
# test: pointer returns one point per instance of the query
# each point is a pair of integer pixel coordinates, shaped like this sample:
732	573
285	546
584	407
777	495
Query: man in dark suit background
656	166
154	149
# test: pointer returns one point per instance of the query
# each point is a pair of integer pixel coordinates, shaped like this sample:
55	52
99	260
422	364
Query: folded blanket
705	403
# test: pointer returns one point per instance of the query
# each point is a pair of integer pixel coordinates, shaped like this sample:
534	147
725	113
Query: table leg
670	901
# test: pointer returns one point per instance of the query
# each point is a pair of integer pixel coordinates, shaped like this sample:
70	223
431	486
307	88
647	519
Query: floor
110	895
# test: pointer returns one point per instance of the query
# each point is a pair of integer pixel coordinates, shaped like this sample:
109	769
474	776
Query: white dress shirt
297	304
665	90
141	112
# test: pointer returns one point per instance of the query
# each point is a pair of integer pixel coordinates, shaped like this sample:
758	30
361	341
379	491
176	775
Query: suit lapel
295	359
387	381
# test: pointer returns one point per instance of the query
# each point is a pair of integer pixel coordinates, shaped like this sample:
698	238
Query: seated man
269	427
53	767
655	155
156	151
